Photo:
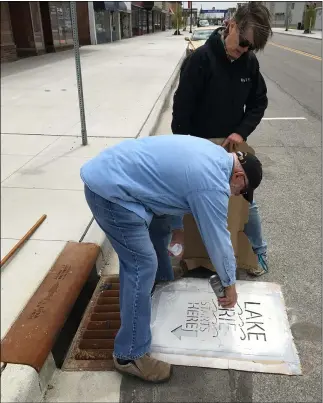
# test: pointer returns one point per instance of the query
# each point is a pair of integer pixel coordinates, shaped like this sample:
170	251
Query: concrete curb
22	383
297	35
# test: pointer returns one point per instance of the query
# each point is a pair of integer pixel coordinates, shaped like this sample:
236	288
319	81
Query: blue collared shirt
172	175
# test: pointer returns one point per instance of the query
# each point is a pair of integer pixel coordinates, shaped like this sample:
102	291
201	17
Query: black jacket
216	97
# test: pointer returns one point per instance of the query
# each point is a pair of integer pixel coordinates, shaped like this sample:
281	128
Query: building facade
34	28
295	12
150	16
38	27
120	20
8	46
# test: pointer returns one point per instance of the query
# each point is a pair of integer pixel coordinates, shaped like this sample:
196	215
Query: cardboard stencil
195	253
190	328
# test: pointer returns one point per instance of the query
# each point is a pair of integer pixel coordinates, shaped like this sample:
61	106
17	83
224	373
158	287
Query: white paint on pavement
190	328
285	118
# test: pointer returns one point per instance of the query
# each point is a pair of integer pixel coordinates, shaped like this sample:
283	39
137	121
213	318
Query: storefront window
135	20
143	21
6	33
61	23
67	23
54	23
150	21
36	21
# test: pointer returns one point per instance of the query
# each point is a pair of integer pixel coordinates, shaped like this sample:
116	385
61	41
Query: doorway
47	27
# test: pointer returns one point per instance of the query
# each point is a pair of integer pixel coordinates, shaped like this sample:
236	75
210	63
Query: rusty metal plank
32	336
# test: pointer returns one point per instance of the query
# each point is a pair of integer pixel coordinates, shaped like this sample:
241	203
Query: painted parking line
285	118
296	51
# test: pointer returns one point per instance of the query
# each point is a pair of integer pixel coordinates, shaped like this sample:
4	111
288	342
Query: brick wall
8	53
8	47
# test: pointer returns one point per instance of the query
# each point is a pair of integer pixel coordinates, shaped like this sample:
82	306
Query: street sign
213	11
190	328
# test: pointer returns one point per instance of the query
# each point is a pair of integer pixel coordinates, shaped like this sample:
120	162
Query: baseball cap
253	170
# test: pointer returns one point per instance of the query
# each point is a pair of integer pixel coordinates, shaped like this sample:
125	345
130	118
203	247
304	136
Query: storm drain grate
92	346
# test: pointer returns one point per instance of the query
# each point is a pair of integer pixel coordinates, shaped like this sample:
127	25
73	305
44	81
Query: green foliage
178	13
309	18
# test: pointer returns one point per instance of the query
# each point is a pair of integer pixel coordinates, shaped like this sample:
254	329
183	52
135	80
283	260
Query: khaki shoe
146	368
262	267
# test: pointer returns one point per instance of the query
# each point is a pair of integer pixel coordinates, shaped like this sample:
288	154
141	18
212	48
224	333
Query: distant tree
309	18
177	17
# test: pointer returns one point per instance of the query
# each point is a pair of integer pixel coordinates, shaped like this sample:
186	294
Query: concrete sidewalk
299	33
125	86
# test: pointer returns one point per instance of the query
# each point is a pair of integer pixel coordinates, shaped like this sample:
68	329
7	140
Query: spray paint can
175	249
217	286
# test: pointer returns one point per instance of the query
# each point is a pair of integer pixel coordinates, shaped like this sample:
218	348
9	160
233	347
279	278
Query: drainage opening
92	346
67	333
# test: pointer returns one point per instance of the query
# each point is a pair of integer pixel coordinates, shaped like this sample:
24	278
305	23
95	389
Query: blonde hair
256	16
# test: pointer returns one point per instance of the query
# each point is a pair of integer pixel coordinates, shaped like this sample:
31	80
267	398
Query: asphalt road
297	74
290	206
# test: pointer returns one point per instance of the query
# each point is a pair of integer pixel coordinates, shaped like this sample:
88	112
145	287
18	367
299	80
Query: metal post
78	71
191	18
286	16
177	18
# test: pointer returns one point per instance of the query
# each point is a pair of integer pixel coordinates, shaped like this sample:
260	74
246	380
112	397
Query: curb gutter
298	35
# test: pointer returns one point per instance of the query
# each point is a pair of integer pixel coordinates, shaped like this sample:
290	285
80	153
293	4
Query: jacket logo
241	156
246	80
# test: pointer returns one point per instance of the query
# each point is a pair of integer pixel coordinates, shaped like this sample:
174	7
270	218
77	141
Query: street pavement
45	180
290	205
295	66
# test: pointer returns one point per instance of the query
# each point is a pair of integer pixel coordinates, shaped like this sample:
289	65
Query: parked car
198	38
203	23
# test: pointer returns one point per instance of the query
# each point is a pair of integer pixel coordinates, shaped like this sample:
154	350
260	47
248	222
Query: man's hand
234	138
178	237
230	298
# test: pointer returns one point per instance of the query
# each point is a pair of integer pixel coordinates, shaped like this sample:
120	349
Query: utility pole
287	16
78	71
177	17
191	18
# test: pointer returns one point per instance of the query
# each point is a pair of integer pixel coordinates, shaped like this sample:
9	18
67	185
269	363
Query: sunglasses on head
244	43
245	188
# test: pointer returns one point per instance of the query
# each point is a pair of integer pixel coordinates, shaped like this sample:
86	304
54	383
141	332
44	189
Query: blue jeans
253	230
143	258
